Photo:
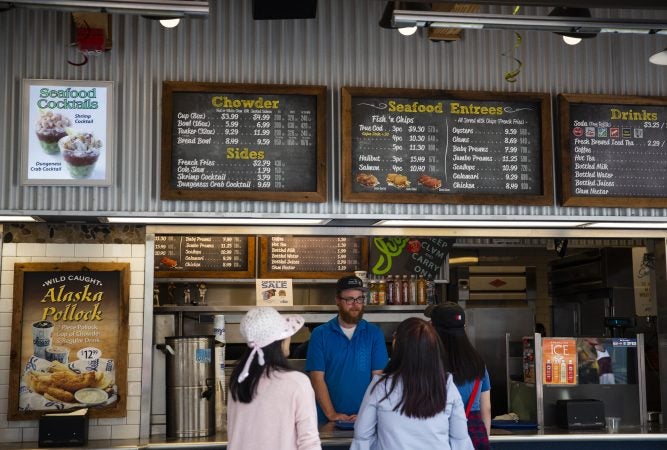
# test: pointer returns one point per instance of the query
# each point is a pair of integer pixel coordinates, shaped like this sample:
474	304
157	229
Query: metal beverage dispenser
190	386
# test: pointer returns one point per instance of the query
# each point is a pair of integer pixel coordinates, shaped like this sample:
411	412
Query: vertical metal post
661	325
539	387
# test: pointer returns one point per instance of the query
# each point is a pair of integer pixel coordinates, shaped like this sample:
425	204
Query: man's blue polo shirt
346	363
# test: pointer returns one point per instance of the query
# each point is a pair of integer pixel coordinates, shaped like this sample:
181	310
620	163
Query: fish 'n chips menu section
243	142
613	151
206	256
311	256
421	146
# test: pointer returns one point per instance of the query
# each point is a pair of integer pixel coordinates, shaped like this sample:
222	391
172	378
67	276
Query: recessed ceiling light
17	219
214	221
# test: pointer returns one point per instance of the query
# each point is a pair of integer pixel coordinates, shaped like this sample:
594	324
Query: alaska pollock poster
69	339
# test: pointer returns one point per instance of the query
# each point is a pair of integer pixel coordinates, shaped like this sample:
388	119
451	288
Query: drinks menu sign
559	357
67	132
416	146
312	256
69	339
254	142
613	151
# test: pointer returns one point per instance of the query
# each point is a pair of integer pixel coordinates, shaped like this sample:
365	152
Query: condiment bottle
406	290
381	292
421	290
413	289
398	290
390	290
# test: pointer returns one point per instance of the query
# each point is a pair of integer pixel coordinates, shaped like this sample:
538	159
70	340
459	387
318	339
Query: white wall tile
4	379
157	430
4	389
138	250
113	421
8	249
134	374
137	332
135	319
117	250
137	277
137	291
7	277
99	432
5	333
134	388
6	290
137	264
134	360
5	319
133	404
6	304
23	249
8	263
62	250
125	431
5	348
30	434
89	250
133	418
10	435
137	305
134	346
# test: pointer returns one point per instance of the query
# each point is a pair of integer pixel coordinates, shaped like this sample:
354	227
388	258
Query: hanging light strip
144	7
435	19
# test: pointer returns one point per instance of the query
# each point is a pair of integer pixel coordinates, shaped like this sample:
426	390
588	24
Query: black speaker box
63	430
284	9
580	414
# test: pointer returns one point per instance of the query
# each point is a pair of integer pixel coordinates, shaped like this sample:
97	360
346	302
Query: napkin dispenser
63	429
580	414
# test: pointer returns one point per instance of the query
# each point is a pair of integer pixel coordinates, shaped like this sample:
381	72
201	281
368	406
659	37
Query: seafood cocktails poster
69	341
67	132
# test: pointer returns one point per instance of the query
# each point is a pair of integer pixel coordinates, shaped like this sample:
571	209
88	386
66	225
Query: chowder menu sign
257	142
195	255
312	256
613	151
415	146
69	339
67	132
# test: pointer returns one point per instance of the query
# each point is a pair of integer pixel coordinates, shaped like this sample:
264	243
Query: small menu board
204	256
559	361
422	146
237	141
613	151
311	256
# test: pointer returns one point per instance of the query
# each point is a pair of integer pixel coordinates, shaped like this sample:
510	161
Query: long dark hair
461	358
274	359
416	363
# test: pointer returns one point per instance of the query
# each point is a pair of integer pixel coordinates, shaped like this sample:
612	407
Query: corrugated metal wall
344	46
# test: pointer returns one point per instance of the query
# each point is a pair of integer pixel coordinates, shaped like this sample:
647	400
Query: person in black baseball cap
344	353
467	366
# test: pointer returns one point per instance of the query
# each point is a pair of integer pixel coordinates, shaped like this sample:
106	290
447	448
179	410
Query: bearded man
344	354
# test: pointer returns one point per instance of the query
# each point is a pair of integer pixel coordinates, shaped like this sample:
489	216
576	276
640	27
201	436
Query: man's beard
351	317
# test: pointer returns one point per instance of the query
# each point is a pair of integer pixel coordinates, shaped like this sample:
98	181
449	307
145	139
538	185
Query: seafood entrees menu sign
69	341
67	132
415	146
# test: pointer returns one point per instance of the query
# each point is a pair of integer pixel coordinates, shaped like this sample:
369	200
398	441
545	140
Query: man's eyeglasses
351	300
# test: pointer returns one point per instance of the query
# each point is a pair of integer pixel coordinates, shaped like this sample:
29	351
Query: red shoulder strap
471	400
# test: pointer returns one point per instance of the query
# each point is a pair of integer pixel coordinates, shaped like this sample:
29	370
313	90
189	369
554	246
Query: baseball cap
264	325
447	316
350	282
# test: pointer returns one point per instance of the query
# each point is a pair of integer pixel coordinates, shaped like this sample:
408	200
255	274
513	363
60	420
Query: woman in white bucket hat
270	405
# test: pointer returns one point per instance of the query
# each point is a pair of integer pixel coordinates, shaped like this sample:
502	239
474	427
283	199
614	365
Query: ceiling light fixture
390	7
436	19
479	223
628	225
170	23
145	7
659	58
213	221
17	219
574	36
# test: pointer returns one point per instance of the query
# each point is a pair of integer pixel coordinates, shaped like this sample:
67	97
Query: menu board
311	256
204	256
237	141
613	151
419	146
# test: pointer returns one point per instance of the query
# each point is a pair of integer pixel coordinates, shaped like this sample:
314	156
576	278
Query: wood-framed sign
311	256
67	133
243	142
613	151
431	146
69	339
204	256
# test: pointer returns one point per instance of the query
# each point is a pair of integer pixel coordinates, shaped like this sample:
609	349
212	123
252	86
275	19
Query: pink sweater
281	416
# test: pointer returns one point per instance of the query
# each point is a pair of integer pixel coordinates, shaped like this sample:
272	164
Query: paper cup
219	327
57	353
41	337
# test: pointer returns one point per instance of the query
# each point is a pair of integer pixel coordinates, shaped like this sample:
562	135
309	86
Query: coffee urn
190	383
